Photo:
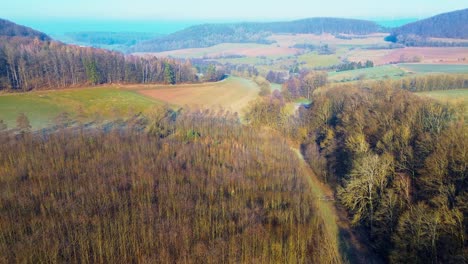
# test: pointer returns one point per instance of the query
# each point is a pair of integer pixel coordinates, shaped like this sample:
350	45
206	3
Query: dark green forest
448	25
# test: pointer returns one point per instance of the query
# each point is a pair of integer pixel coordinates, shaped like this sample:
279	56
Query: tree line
434	82
349	66
27	64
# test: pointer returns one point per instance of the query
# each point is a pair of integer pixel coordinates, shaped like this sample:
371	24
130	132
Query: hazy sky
224	10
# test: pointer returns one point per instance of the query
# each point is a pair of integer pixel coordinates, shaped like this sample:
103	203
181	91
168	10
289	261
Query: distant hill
212	34
27	63
10	29
118	41
452	25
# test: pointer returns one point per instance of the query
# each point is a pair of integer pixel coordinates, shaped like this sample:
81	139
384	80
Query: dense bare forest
175	184
27	64
31	60
398	162
194	187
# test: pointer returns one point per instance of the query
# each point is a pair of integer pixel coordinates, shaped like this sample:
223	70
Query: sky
223	10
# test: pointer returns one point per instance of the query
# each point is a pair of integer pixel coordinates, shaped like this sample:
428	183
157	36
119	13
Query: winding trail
353	246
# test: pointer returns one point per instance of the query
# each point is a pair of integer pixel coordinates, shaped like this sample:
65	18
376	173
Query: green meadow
375	73
434	68
458	98
88	103
313	60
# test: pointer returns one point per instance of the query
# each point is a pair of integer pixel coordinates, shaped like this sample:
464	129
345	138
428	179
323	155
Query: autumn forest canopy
321	140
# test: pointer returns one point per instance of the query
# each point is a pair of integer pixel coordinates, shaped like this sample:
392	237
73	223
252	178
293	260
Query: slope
231	94
211	34
453	25
10	29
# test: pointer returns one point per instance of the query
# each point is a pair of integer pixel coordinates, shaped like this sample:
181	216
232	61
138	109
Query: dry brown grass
446	55
225	49
286	40
232	94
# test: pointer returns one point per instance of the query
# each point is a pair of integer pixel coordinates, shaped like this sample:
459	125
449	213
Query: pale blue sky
224	10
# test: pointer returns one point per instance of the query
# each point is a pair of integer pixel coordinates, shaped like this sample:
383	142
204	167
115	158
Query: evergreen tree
92	72
169	76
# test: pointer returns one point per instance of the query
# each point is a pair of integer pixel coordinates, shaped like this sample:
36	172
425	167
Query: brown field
287	40
231	94
451	40
227	49
445	55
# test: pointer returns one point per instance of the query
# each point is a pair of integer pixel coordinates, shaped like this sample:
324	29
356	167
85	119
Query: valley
317	140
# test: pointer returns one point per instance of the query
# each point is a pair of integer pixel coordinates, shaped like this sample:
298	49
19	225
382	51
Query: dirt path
353	247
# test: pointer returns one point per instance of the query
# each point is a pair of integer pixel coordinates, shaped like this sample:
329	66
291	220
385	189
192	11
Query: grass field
377	56
434	68
110	102
244	60
232	94
375	73
43	106
313	60
457	97
427	55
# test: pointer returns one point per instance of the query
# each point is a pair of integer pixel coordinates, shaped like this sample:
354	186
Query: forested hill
447	25
211	34
31	60
10	29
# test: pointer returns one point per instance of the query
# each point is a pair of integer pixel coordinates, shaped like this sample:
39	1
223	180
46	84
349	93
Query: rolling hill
212	34
452	25
118	41
10	29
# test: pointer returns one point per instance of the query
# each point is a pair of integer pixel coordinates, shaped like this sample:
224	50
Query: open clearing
232	94
439	55
375	73
42	107
312	60
286	40
395	71
110	102
458	97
